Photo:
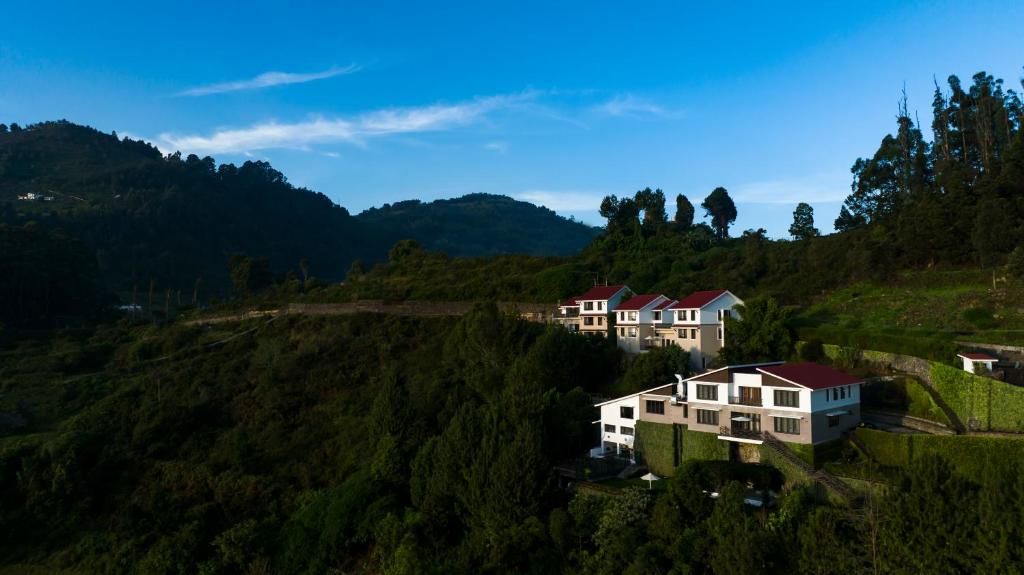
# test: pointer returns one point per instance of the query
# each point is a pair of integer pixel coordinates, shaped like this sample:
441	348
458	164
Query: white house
794	402
634	321
978	363
698	325
596	306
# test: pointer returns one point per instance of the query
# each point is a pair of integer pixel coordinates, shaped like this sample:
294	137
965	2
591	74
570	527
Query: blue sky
559	103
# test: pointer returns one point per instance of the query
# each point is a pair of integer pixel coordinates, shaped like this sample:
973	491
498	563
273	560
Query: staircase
820	476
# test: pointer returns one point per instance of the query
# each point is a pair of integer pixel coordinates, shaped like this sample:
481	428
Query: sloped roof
638	302
601	293
665	304
699	299
810	375
571	302
974	356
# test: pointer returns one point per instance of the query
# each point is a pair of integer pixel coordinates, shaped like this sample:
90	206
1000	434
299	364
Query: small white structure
978	363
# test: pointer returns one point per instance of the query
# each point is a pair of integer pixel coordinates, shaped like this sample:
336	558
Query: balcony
752	401
742	433
569	312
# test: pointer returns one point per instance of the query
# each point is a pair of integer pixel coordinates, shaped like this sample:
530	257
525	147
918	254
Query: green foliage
761	333
658	365
939	348
969	456
980	402
803	222
904	394
703	446
659	445
811	351
721	209
1015	263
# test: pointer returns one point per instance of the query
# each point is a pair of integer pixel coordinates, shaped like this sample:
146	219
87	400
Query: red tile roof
571	302
698	299
601	293
665	304
638	302
810	375
978	356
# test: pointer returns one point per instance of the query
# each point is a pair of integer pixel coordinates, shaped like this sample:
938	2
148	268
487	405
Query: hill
482	225
173	222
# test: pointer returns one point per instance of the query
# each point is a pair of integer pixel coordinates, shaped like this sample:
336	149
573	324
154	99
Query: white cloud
499	147
268	79
823	187
632	106
564	200
354	130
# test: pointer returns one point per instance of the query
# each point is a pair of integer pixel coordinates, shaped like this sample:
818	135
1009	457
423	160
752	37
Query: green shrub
935	347
980	317
701	445
657	445
969	455
812	350
980	402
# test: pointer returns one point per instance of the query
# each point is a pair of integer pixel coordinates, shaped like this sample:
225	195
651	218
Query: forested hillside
379	444
482	225
173	222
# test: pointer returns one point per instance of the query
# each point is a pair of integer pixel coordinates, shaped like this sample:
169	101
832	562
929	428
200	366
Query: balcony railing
740	432
570	312
740	400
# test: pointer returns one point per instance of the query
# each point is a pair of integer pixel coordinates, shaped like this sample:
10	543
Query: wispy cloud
354	130
823	187
499	147
564	200
268	79
631	106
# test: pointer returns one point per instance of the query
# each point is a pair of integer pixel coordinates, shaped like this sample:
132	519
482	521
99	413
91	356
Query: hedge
658	446
994	404
969	455
904	394
701	445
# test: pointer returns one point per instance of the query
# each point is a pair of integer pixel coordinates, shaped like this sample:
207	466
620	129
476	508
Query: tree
1015	264
847	221
761	333
803	222
684	212
722	210
652	203
248	275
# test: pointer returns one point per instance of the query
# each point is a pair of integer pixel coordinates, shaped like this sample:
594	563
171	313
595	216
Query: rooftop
601	293
810	375
699	299
638	302
974	356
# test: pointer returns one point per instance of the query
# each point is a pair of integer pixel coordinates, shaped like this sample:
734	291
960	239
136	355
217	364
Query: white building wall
821	399
611	415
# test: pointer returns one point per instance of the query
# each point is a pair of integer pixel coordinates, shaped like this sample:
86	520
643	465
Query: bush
980	402
937	347
701	445
658	445
969	455
812	351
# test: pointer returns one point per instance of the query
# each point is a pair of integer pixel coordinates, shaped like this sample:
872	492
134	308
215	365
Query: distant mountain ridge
482	225
172	220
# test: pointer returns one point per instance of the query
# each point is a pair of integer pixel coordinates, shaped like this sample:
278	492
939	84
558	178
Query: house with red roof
804	403
634	321
698	325
568	314
597	305
978	363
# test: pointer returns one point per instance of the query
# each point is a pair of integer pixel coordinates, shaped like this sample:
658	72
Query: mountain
172	222
482	225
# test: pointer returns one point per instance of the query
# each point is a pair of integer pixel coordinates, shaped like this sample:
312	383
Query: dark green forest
376	444
175	221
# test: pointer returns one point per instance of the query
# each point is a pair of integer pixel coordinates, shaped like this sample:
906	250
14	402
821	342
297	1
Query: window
709	392
622	316
833	420
632	332
657	316
625	412
681	316
609	428
655	406
842	393
588	321
835	394
785	398
719	333
600	305
726	313
707	416
622	332
600	320
626	430
693	334
693	315
681	333
719	315
632	316
588	305
787	425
